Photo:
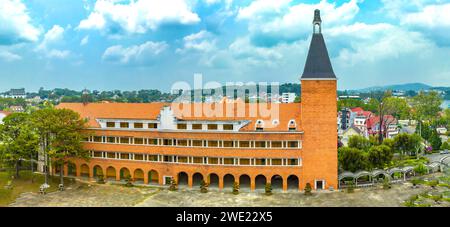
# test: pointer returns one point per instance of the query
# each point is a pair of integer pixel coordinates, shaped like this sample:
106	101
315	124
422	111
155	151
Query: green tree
399	107
407	144
352	159
426	106
67	139
359	142
19	141
379	156
435	141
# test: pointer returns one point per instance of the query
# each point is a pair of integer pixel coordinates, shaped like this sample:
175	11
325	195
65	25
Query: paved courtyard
84	195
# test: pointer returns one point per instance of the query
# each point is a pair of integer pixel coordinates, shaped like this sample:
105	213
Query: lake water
445	104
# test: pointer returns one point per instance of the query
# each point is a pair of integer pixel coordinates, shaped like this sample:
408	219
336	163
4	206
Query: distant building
288	98
342	97
16	93
17	109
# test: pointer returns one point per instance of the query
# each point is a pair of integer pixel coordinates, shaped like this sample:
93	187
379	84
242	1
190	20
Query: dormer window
292	125
275	122
259	125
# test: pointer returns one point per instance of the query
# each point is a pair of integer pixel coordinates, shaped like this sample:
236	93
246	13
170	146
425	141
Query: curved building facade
288	145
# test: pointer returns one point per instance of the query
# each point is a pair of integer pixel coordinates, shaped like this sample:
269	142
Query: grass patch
24	184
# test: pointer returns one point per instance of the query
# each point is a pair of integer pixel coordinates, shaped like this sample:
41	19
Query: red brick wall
319	111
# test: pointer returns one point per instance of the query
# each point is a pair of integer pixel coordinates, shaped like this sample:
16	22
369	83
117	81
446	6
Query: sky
152	44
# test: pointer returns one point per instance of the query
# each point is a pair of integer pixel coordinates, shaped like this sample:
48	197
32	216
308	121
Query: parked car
444	152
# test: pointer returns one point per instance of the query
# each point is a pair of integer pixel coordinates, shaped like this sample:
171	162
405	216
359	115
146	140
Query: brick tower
319	112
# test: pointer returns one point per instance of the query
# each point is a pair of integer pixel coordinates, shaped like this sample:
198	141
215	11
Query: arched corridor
124	174
183	179
98	171
84	170
138	176
260	182
213	180
293	183
72	169
228	182
153	177
245	183
197	180
111	173
277	183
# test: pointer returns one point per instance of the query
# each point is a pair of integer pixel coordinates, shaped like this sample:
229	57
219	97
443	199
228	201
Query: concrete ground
83	195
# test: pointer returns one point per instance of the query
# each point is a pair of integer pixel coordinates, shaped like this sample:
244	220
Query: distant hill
399	87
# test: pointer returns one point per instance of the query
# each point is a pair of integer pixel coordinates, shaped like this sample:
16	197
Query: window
86	139
183	143
111	155
228	127
213	161
138	140
110	124
167	142
244	143
198	160
228	161
182	126
228	143
111	139
98	139
320	184
153	158
277	144
153	141
139	157
183	159
125	156
152	125
244	161
138	125
260	162
168	158
260	144
293	144
124	125
98	154
293	162
197	143
277	162
197	127
212	127
124	140
259	125
213	143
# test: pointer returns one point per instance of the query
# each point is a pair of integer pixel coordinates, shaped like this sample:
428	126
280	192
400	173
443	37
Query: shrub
268	189
387	183
308	189
421	169
203	187
236	188
351	186
173	185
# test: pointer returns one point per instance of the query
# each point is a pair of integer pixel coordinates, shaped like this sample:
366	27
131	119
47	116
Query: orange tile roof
150	111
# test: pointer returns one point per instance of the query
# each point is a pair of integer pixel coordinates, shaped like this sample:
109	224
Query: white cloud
84	41
375	42
272	22
137	54
15	23
53	37
430	16
202	41
8	56
139	16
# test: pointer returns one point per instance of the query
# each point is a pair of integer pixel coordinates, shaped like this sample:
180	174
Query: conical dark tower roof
318	64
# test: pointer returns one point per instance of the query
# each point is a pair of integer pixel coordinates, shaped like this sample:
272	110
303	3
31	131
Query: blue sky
143	44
